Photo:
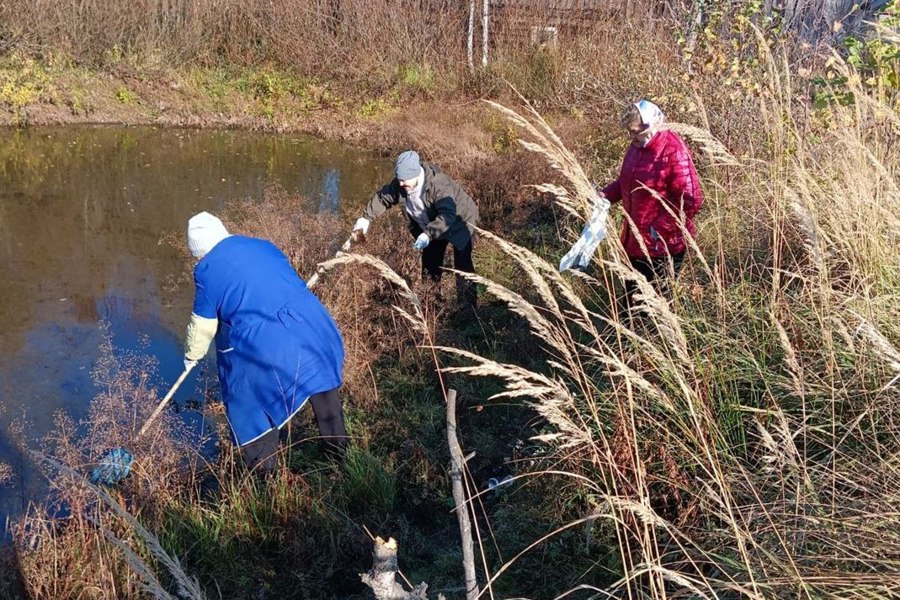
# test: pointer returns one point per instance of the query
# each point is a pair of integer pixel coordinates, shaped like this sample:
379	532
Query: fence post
469	45
484	33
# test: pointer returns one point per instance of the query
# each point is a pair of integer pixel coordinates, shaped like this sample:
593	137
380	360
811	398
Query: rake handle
315	278
164	401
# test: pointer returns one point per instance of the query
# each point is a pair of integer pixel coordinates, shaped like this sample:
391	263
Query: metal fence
504	23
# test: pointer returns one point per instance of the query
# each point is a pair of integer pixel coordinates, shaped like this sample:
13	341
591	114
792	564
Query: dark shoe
464	316
466	293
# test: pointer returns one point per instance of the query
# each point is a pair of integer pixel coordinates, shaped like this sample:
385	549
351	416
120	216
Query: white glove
422	241
591	236
362	224
189	364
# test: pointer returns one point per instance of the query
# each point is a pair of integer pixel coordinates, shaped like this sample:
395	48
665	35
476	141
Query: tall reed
740	438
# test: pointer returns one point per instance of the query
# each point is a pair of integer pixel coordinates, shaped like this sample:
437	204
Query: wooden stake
457	467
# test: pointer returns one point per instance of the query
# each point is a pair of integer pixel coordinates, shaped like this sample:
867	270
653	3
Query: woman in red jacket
660	193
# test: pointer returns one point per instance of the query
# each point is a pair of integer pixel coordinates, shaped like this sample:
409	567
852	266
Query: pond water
82	213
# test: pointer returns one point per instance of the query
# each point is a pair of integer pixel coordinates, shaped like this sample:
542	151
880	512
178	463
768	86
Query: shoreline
39	95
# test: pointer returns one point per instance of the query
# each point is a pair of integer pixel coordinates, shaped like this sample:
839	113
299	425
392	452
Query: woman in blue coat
276	345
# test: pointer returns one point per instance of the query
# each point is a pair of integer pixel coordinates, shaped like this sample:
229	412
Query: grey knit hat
407	166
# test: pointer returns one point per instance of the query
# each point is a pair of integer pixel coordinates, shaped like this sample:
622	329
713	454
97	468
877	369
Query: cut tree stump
382	578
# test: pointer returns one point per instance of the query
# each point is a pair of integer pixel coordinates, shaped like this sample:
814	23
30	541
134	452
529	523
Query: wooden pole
484	32
165	400
471	41
457	472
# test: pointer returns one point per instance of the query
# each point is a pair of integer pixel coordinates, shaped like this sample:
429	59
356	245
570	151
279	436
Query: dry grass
51	549
350	40
453	138
186	586
800	508
6	474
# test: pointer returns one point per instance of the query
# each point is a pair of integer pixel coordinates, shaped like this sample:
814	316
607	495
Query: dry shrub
127	397
283	219
368	41
603	64
340	38
6	474
71	533
507	204
360	301
451	138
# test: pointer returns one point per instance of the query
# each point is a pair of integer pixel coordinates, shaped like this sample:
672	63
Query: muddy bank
38	95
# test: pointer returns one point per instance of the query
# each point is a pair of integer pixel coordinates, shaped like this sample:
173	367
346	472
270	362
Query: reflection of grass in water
6	473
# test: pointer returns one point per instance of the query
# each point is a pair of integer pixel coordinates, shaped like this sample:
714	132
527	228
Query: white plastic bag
591	236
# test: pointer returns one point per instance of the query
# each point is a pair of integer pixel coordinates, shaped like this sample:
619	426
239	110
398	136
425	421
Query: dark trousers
260	453
656	271
433	260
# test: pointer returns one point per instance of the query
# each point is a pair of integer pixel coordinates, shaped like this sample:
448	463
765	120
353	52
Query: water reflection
82	211
331	191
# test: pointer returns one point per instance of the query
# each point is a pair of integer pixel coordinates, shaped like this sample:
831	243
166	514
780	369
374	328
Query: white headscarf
651	115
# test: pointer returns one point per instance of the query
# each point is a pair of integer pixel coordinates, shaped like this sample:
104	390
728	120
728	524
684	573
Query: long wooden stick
164	401
458	465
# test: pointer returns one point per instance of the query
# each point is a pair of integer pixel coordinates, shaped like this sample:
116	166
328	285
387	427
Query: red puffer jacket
665	166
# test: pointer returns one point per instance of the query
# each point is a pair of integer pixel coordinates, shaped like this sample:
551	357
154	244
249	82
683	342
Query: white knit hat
204	232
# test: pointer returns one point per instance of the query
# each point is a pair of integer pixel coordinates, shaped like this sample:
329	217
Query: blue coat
276	344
